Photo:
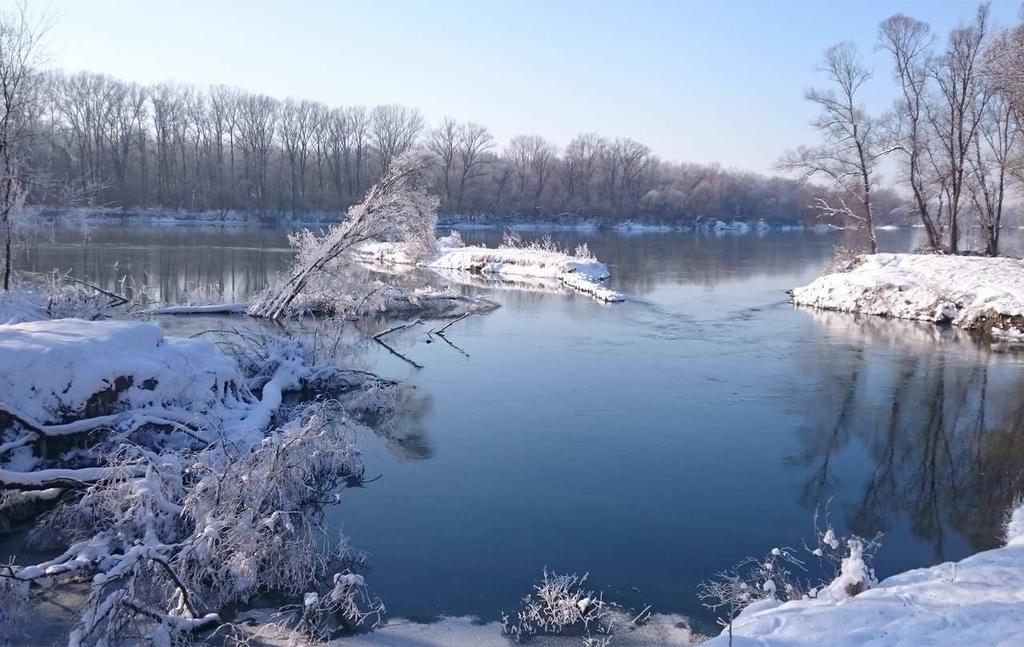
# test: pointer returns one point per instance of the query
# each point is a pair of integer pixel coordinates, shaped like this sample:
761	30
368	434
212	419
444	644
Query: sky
697	81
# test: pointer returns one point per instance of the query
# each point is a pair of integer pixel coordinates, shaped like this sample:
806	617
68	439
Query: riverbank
976	601
971	292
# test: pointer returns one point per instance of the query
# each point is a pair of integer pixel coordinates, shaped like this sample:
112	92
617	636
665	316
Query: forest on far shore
125	145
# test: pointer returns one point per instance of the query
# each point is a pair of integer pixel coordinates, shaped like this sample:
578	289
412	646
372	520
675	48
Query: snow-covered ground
976	601
581	273
660	630
972	292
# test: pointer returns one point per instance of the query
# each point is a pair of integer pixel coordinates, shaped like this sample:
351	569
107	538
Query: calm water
653	442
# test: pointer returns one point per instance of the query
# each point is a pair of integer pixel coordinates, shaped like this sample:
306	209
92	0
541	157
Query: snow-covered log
971	292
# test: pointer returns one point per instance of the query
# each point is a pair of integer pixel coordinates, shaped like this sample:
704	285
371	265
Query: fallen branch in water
397	328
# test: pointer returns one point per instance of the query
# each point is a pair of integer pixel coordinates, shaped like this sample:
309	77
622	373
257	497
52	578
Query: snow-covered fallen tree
512	261
180	481
971	292
976	601
399	207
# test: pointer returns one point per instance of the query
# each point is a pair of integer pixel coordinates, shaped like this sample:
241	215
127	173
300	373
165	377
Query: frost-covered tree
399	207
19	107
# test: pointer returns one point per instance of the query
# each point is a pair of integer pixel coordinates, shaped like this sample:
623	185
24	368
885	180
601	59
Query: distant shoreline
626	226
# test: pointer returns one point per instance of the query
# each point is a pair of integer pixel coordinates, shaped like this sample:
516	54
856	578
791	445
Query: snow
976	601
504	263
968	291
660	630
51	369
631	227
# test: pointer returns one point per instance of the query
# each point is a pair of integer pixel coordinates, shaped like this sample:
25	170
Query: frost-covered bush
845	560
844	259
59	296
452	239
1013	529
559	605
846	567
512	240
172	519
752	580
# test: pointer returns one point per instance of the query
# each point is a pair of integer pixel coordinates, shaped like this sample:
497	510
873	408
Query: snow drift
967	291
976	601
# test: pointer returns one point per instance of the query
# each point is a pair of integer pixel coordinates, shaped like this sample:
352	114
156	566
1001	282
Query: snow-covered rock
976	601
968	291
54	370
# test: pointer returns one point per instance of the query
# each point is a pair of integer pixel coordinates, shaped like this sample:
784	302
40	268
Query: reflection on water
939	418
651	443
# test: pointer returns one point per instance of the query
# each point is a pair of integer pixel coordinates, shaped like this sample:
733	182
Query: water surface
650	443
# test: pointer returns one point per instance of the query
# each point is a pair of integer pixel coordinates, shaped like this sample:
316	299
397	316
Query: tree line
128	145
955	129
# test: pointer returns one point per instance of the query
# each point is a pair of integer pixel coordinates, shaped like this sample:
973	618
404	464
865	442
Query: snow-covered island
577	270
972	292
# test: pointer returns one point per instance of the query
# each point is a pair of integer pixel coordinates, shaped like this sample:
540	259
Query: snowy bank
56	370
976	601
581	273
971	292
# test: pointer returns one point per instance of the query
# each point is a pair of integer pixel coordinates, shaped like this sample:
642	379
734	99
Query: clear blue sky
697	81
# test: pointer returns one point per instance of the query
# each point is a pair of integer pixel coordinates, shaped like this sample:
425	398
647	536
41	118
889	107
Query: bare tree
852	142
443	142
257	123
1005	69
908	42
298	125
956	112
394	131
474	141
990	163
579	164
19	56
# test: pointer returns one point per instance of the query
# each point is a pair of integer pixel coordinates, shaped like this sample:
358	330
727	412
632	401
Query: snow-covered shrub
174	517
452	239
752	580
1013	529
583	253
347	605
512	240
559	605
855	576
846	561
844	259
60	296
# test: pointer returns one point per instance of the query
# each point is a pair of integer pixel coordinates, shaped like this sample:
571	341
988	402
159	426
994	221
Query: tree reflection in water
941	424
